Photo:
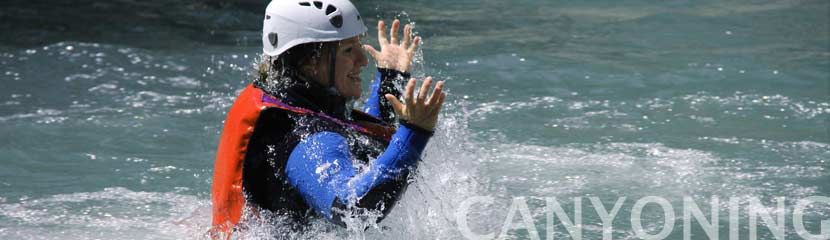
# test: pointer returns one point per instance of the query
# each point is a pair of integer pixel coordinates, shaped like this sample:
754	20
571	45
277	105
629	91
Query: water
111	113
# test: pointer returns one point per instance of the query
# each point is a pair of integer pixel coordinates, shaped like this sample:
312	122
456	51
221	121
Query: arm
385	83
321	168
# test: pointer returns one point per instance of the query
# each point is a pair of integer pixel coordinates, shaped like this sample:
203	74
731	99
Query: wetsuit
299	148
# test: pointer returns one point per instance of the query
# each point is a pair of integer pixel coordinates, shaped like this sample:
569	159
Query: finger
436	108
372	51
410	90
382	34
396	104
407	31
422	94
393	34
436	93
415	43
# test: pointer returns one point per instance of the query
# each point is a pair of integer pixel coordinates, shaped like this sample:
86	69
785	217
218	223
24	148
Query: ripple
114	213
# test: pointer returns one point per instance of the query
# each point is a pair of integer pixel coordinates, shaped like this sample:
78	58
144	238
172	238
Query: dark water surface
110	112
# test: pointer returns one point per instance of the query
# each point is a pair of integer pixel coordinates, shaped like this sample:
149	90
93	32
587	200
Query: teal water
110	113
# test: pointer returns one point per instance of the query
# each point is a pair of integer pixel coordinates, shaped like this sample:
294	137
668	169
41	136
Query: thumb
396	104
372	51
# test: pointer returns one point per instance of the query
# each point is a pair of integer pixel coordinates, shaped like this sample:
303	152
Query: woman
293	147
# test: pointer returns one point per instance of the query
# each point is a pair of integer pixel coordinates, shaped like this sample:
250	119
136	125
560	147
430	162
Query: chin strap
332	69
332	64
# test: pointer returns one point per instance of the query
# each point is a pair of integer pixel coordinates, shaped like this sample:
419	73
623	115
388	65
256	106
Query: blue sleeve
384	83
321	168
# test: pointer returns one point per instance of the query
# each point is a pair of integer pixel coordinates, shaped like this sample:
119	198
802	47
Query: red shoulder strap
372	129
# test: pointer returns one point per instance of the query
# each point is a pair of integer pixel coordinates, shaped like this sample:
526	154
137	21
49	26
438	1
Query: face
350	61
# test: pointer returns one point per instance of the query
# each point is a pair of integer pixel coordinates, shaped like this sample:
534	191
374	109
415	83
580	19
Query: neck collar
309	94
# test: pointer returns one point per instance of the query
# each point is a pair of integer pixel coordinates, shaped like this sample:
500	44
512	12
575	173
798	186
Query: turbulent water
110	113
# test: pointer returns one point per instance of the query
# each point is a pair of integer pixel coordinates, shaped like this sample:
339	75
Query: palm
394	53
421	110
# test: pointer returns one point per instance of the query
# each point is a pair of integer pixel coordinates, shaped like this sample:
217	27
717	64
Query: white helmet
289	23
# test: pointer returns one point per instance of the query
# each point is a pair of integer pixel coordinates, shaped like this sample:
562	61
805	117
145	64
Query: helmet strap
332	64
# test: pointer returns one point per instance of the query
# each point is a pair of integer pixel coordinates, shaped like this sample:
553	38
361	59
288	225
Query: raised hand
394	54
421	111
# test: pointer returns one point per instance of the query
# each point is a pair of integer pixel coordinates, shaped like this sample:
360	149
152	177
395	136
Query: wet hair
275	73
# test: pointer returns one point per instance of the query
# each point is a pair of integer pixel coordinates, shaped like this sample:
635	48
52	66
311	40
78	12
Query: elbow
373	207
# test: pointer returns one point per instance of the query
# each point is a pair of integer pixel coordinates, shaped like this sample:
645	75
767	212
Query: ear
309	68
